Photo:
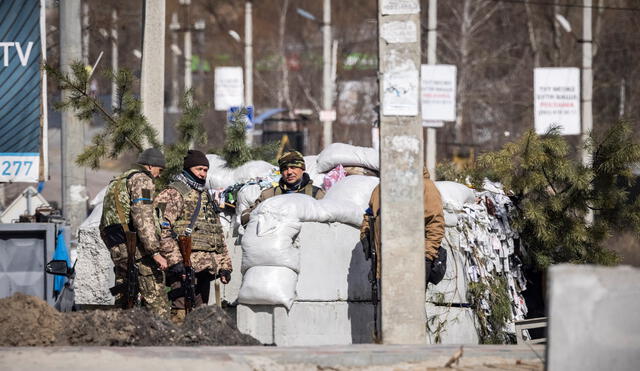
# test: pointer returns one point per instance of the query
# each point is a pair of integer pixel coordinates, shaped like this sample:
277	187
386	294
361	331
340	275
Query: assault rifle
188	280
370	253
133	287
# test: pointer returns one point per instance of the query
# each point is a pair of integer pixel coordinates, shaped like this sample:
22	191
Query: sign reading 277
19	167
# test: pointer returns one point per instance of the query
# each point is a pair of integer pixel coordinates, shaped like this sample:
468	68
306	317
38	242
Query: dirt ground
29	321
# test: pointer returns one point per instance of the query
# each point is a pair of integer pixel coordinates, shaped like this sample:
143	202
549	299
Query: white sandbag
311	164
252	170
218	176
355	189
312	169
216	162
347	155
93	220
318	179
455	194
450	219
99	197
270	249
247	196
293	207
268	286
342	212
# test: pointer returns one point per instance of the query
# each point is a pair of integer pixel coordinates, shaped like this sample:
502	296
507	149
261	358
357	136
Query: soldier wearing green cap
128	206
294	180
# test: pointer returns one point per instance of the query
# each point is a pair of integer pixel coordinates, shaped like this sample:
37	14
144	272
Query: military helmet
152	157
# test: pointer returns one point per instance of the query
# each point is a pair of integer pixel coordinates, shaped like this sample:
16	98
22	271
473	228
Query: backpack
116	210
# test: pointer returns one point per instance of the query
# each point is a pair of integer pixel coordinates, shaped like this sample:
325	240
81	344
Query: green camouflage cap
291	159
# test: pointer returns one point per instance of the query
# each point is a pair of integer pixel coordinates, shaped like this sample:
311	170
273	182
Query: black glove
226	274
177	268
427	270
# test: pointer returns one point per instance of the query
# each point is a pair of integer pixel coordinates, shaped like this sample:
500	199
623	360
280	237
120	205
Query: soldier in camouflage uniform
128	206
294	180
176	205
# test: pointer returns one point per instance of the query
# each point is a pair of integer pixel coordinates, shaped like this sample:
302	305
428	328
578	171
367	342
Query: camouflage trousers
202	287
151	286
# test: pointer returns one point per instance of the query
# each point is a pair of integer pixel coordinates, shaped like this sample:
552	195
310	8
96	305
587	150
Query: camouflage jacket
175	209
140	188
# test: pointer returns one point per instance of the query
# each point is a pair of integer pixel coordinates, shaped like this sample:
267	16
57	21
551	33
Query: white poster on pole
400	89
556	99
228	88
438	93
399	32
400	7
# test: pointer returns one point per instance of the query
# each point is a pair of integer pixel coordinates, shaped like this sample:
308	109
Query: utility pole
152	80
74	189
587	79
327	85
85	33
114	56
174	26
248	61
188	79
587	88
401	161
432	40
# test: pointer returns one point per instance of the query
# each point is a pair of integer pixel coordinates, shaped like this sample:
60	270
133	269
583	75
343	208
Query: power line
547	3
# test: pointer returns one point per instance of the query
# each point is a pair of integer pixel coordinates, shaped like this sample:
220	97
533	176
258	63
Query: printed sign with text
556	99
438	92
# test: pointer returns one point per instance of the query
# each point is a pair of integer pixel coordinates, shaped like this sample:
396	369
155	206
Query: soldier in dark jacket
176	205
294	180
128	206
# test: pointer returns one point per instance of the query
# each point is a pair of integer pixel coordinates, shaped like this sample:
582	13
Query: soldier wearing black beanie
195	158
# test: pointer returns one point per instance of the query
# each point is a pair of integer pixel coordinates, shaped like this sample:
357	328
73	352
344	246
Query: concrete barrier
593	318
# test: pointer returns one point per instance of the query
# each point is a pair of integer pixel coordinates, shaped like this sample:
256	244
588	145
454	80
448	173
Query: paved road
353	357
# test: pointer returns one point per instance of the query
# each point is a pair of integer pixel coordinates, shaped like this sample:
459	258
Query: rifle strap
195	214
123	220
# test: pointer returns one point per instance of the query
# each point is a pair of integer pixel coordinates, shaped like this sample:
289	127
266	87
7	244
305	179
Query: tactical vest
116	210
116	206
207	234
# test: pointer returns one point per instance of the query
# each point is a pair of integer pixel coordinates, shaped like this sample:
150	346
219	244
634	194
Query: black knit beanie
195	158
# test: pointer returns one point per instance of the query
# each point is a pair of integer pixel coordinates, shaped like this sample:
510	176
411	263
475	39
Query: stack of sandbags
269	242
220	176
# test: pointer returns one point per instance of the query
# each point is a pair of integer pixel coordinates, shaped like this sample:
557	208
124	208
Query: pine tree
553	193
236	151
125	129
190	132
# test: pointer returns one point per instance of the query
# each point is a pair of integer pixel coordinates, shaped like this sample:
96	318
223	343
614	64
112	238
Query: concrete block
451	325
323	323
257	321
593	318
453	287
332	264
230	290
94	269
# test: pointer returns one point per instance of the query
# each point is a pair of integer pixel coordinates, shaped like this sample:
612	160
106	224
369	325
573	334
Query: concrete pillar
401	161
74	189
152	80
327	83
174	26
432	42
248	62
587	78
114	56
